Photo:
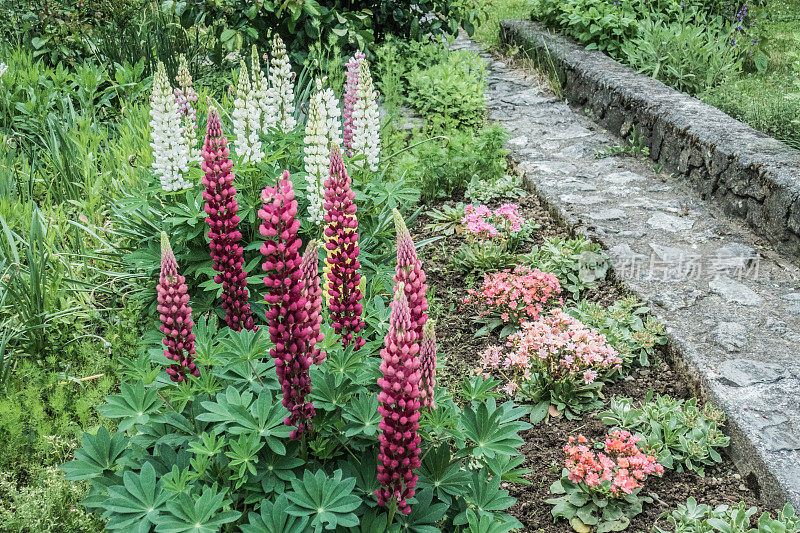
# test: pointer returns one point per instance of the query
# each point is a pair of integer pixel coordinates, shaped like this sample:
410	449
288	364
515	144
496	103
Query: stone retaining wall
750	174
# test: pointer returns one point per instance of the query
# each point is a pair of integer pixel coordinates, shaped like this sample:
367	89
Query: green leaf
362	414
203	514
424	516
274	518
134	405
98	454
448	479
492	429
484	494
327	501
137	502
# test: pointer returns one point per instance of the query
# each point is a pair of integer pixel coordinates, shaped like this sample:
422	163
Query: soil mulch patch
544	443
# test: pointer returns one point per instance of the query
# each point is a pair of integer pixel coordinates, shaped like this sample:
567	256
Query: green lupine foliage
215	454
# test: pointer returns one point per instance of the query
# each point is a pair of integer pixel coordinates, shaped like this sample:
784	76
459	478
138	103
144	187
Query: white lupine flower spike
185	96
170	151
281	90
322	128
247	120
366	122
260	90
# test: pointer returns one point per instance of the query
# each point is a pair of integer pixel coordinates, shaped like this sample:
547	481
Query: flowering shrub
365	133
506	299
601	489
280	95
553	361
185	96
680	433
491	237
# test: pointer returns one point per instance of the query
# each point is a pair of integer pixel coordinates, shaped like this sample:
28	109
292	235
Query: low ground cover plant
694	517
578	263
682	435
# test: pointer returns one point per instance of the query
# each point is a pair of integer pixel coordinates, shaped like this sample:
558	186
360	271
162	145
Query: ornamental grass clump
287	313
399	406
554	362
601	488
341	242
508	298
170	151
176	316
223	222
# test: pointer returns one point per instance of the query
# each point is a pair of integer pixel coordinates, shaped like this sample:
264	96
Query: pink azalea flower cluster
399	406
482	224
341	233
176	316
223	221
350	98
557	345
290	328
619	471
515	296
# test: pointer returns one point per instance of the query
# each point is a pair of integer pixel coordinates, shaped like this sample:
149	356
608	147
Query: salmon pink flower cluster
619	470
556	345
515	296
482	224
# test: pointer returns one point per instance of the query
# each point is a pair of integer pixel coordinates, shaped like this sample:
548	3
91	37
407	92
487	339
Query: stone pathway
730	304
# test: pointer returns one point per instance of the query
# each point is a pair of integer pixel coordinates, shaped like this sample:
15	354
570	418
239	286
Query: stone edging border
751	175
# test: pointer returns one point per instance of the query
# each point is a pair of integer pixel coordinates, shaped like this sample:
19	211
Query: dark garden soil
544	443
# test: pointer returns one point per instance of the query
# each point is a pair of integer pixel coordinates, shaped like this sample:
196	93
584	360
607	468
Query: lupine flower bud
287	312
366	122
185	97
281	90
176	316
170	151
341	234
247	120
427	359
409	272
223	222
399	407
350	98
312	292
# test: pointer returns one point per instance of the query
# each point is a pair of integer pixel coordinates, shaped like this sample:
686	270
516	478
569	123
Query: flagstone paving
731	304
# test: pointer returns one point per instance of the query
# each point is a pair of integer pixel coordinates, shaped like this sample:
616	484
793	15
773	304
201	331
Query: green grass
769	102
488	32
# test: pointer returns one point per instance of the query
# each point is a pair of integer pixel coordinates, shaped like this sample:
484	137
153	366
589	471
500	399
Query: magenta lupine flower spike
312	292
350	98
341	235
287	316
409	272
399	407
427	363
176	316
223	222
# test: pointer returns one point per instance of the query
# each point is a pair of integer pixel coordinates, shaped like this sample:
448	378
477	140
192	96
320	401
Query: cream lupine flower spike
246	120
281	90
260	90
322	128
366	123
170	151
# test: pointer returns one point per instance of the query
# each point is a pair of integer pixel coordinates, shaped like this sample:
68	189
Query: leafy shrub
683	435
625	326
508	186
601	489
689	56
449	94
220	447
701	518
578	263
554	362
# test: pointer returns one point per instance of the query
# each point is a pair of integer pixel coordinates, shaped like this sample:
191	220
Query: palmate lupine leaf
274	518
136	503
98	454
424	516
204	514
365	472
479	388
330	391
506	466
373	521
327	501
448	479
482	522
362	416
484	494
244	456
491	429
133	405
279	470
